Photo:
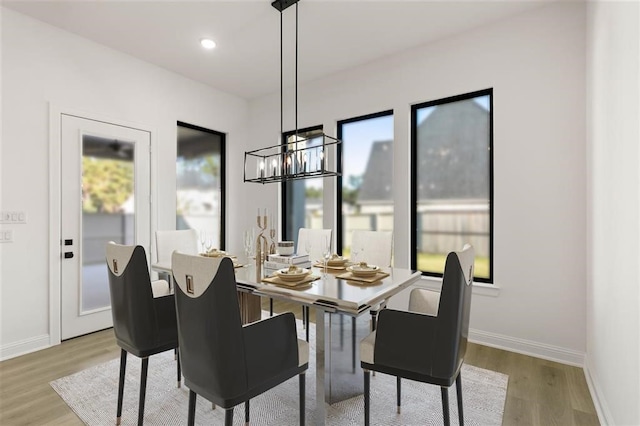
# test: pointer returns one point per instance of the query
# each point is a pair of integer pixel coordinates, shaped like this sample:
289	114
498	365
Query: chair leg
353	344
270	307
367	379
143	389
445	405
228	417
398	384
246	412
191	419
306	310
123	367
179	368
374	324
459	395
302	379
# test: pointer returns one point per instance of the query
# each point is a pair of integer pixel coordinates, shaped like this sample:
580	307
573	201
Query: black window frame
340	124
283	185
414	174
223	176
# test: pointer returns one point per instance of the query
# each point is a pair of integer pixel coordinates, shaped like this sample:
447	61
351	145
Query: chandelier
297	158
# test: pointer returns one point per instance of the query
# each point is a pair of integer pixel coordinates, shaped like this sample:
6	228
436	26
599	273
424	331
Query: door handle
68	254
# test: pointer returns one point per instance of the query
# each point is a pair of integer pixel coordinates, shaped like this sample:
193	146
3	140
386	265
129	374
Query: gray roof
453	159
378	176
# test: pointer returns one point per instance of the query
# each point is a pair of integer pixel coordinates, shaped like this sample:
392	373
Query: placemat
218	254
278	281
378	276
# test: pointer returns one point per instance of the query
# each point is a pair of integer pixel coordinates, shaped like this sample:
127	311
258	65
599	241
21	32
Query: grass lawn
435	263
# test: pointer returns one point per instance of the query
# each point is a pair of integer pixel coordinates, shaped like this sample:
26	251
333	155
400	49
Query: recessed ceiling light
207	43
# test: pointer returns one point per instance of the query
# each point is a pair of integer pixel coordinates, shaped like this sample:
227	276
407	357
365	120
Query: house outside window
452	188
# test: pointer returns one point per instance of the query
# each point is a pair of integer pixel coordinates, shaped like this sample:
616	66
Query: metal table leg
320	415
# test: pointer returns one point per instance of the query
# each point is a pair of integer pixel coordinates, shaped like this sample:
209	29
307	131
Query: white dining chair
185	241
311	242
373	247
316	239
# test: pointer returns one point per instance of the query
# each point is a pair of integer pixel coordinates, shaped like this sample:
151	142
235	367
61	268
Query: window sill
483	289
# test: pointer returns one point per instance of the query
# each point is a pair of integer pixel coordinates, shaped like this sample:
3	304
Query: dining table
333	297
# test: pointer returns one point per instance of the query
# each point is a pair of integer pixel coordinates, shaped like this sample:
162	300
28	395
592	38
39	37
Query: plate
215	253
288	275
364	271
337	261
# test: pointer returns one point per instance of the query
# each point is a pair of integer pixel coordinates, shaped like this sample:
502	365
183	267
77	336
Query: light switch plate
13	217
6	235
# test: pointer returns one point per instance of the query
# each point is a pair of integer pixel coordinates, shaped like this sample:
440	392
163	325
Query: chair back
316	237
453	313
374	247
185	241
134	316
209	325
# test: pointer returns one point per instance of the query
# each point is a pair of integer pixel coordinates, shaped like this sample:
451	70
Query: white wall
536	64
43	65
613	296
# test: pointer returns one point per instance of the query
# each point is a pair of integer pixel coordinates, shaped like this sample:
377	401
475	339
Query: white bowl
289	275
368	271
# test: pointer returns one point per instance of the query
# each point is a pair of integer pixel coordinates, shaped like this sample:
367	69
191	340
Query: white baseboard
602	409
23	347
528	347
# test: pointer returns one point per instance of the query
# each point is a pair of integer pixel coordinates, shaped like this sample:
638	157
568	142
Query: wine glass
248	242
354	253
208	243
326	252
203	237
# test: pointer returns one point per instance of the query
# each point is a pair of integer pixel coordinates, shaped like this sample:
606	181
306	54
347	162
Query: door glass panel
108	211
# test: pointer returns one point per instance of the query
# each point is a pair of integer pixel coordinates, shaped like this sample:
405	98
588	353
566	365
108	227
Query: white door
105	196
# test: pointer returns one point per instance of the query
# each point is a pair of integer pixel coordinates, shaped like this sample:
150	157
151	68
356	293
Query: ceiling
333	34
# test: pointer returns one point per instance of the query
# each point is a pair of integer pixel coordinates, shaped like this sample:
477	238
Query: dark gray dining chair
421	346
144	314
222	360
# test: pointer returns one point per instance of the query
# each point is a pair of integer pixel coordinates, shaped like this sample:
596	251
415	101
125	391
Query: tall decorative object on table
262	243
299	159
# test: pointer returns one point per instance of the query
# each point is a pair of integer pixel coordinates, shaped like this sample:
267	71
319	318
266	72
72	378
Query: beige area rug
92	394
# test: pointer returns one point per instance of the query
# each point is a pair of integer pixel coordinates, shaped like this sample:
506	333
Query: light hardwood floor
540	392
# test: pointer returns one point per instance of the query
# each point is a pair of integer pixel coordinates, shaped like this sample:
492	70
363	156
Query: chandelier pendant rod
281	80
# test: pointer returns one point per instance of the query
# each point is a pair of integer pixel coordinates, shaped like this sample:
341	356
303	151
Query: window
302	199
452	188
200	182
365	189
